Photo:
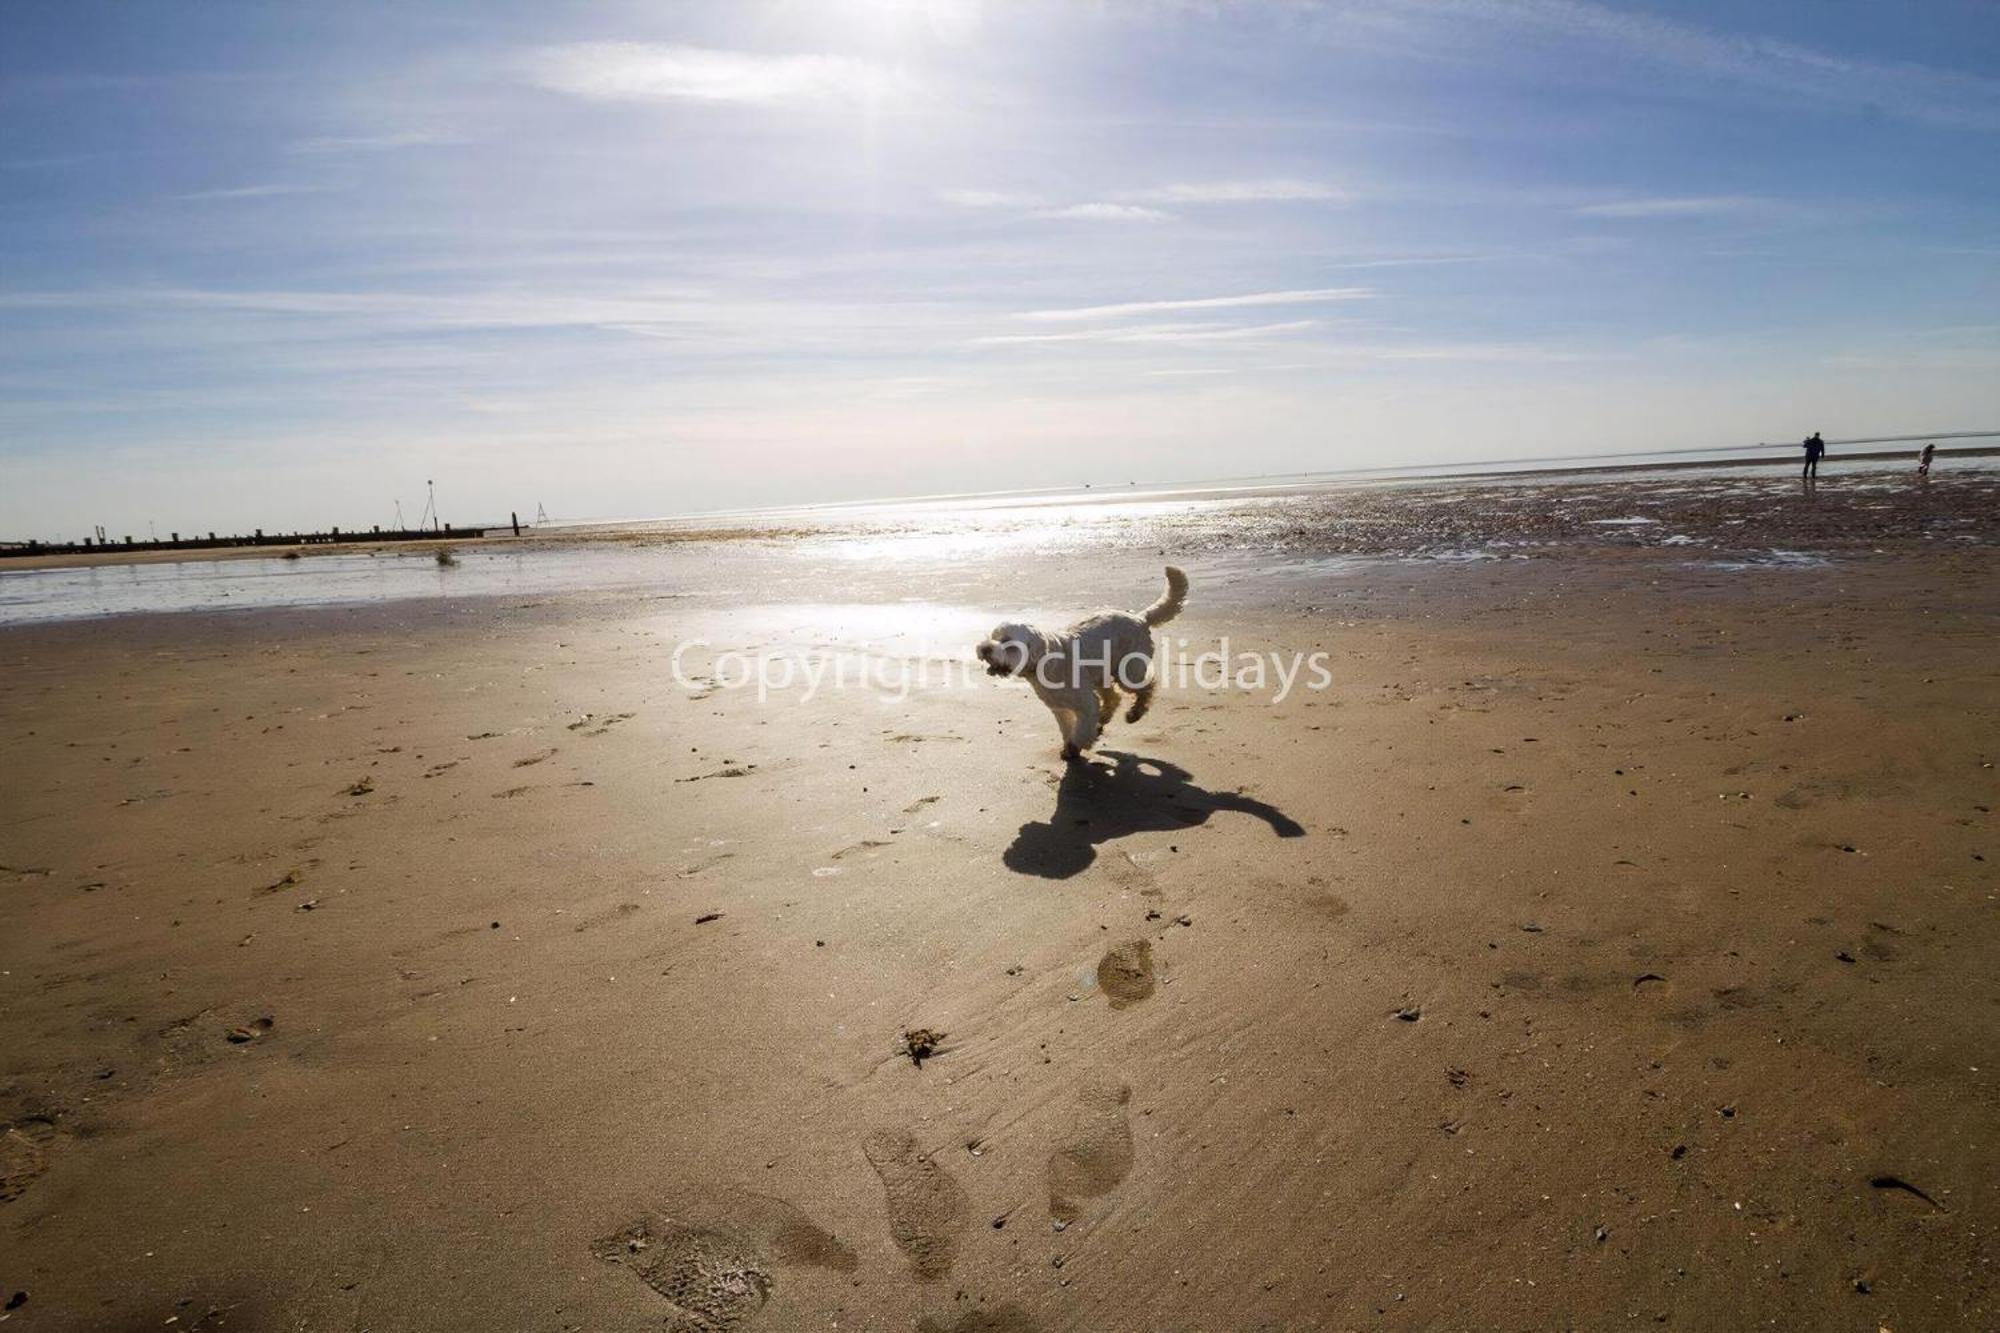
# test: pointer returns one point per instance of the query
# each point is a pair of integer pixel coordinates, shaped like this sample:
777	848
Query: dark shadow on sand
1099	802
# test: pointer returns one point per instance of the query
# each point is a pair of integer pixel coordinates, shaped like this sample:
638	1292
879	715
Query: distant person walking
1815	447
1924	460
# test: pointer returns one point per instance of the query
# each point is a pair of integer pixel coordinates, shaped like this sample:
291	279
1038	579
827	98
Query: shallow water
1730	519
316	580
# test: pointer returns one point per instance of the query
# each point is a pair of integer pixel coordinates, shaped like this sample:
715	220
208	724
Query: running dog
1077	672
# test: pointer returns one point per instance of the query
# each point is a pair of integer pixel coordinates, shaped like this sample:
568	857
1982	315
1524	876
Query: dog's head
1010	650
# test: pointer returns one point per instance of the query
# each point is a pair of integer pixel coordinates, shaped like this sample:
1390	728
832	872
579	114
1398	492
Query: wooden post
517	521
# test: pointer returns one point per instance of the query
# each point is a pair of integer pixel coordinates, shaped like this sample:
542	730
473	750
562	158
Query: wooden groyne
220	542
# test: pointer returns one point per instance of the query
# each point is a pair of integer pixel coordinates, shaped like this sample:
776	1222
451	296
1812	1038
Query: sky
277	265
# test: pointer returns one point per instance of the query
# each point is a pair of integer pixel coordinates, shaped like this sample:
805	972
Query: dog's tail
1169	606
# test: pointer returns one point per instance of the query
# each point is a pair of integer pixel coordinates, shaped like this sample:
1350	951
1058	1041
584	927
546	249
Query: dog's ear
1021	641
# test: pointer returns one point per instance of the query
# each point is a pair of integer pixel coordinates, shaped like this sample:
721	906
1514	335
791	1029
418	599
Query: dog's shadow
1096	803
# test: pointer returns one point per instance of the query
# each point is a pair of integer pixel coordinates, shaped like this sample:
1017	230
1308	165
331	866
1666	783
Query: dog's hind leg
1142	699
1107	706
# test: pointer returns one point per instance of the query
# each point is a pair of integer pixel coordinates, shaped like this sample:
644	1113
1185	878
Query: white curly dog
1078	671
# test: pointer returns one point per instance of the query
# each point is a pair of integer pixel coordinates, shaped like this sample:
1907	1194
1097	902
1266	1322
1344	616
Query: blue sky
277	264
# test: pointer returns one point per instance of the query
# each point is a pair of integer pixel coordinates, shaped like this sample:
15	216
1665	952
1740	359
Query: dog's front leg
1066	723
1089	722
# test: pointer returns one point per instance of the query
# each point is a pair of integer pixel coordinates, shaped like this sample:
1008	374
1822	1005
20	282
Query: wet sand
1611	943
423	548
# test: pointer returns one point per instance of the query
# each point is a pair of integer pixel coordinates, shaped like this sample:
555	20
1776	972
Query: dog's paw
1072	755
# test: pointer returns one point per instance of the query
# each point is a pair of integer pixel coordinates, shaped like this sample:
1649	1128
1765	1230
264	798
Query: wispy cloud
1235	192
1759	64
372	143
1528	353
264	191
1697	206
699	321
1143	205
653	72
374	313
1105	212
1305	296
1421	261
990	199
1155	333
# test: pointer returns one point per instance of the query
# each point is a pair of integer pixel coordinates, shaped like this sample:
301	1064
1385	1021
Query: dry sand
1610	945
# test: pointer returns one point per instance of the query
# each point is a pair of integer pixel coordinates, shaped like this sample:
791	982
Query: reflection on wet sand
1733	518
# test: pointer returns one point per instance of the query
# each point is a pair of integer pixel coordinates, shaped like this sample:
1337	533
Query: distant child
1924	460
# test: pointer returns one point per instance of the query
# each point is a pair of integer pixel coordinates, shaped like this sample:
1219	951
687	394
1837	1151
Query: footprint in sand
1125	973
1331	906
927	1208
24	1153
718	1265
1095	1152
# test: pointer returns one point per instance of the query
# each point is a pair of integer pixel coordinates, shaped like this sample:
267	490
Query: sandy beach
1609	943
